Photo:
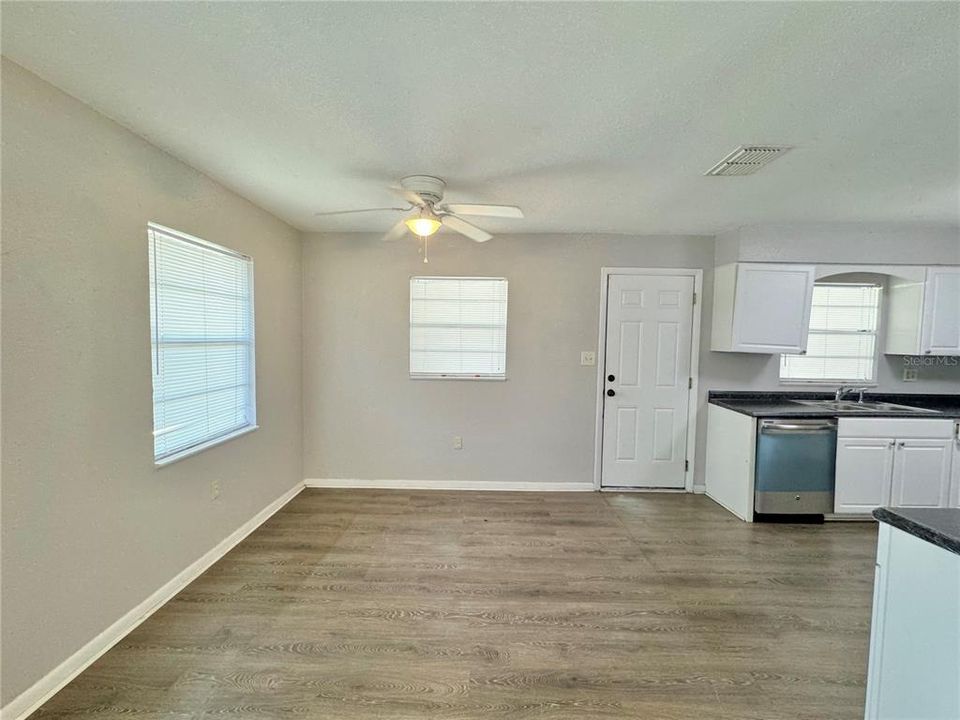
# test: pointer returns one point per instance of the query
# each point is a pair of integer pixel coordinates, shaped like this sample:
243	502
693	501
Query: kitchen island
914	666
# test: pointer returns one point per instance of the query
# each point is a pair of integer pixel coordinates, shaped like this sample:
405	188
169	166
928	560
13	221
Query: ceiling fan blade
351	212
409	195
396	232
464	228
505	211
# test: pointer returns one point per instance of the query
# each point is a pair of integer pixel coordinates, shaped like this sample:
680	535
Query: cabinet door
772	308
940	328
955	473
914	630
921	473
864	469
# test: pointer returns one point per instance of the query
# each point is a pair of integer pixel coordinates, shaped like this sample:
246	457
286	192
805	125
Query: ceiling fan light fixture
424	224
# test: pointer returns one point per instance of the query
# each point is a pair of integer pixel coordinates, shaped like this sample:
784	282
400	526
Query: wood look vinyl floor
357	604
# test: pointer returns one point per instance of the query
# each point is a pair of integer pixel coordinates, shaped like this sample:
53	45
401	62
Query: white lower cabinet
914	654
955	482
864	469
921	473
892	461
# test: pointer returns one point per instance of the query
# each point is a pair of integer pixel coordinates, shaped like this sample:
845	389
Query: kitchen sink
867	406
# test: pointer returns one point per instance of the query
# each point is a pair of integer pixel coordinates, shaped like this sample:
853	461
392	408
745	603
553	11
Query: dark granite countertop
940	526
781	404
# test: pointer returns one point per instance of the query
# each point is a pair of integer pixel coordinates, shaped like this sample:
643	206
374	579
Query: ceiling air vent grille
746	160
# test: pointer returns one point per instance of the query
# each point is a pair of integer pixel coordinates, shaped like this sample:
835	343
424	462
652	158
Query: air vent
746	160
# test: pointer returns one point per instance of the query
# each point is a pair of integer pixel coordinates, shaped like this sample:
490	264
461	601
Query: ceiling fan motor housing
426	186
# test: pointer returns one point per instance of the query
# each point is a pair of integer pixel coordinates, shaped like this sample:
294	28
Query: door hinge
689	383
694	298
686	466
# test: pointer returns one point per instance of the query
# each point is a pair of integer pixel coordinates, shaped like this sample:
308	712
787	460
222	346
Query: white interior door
646	380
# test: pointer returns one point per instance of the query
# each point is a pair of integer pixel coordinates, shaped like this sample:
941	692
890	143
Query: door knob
611	378
611	393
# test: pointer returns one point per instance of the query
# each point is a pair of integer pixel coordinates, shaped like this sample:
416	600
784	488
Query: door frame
693	403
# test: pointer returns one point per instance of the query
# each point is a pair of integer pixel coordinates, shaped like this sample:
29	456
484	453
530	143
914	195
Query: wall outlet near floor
214	489
910	374
457	442
588	357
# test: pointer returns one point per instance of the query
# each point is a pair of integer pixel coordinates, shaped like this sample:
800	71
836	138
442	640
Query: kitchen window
842	343
458	328
201	322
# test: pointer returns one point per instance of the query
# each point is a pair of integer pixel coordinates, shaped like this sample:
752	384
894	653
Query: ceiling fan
426	211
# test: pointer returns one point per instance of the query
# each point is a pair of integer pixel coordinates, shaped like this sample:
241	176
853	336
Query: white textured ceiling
592	117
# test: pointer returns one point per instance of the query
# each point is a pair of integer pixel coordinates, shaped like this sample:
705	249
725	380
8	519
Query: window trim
833	382
251	405
500	377
200	447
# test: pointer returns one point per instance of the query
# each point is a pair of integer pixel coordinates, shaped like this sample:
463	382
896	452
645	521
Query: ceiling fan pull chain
425	259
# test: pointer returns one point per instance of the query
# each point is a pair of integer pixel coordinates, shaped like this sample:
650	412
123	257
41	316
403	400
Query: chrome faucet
844	389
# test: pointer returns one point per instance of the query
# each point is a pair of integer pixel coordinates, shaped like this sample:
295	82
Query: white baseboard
700	489
648	490
33	697
448	485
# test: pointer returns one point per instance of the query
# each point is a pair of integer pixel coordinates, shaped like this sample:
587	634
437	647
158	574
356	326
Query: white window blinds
842	344
458	327
201	318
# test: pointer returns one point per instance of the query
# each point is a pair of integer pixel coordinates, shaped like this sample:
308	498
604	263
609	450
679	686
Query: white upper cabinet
940	328
762	307
924	318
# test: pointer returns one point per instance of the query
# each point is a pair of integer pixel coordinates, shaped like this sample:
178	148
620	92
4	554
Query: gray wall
90	528
894	243
363	417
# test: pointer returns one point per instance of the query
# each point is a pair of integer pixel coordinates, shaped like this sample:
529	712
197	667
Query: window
458	327
201	321
842	345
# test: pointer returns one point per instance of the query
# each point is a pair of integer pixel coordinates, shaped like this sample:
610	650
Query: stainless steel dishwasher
796	466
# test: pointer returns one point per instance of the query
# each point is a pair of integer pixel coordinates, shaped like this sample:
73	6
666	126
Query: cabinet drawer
900	428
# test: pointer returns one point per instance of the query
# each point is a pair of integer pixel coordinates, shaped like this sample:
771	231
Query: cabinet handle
901	443
892	443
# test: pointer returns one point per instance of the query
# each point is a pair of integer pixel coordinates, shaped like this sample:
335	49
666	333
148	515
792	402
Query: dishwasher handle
778	427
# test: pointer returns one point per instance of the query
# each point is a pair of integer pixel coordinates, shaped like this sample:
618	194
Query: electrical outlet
910	374
214	489
457	442
588	357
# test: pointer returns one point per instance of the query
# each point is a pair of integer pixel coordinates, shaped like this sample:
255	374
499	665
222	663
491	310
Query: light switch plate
588	357
910	374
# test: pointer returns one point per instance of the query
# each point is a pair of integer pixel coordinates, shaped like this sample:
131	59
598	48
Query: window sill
170	459
832	383
482	378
